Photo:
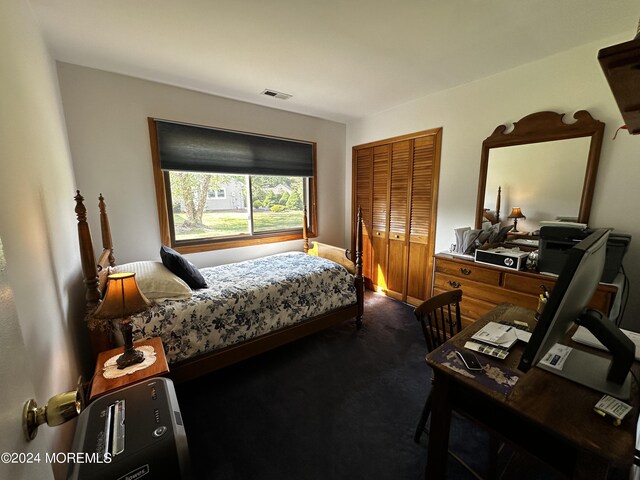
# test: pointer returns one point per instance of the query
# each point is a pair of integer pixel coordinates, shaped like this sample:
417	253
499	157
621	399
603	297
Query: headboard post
498	204
100	339
107	243
304	230
87	257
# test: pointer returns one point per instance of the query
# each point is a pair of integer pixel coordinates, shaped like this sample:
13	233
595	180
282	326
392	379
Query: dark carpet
340	404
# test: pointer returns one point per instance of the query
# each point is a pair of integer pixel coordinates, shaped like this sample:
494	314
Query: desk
547	416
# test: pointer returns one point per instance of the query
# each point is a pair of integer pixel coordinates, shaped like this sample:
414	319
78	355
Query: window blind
185	147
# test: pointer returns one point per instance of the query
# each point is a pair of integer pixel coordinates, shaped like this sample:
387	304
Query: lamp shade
516	212
122	299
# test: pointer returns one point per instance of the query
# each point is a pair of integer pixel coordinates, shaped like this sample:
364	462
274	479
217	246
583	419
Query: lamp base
129	357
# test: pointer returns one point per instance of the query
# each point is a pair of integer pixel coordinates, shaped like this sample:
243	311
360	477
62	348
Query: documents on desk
497	334
495	339
585	337
556	356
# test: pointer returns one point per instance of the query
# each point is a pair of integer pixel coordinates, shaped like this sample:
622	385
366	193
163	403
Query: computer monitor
567	304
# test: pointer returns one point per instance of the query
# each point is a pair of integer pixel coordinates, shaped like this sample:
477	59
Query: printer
135	432
556	240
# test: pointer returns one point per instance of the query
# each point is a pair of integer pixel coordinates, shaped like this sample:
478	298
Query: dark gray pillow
183	268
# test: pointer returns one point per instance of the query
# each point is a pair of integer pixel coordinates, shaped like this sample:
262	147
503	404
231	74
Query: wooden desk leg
439	429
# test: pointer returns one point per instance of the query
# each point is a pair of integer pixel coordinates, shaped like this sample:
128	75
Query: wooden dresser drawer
601	300
484	292
527	284
470	307
469	271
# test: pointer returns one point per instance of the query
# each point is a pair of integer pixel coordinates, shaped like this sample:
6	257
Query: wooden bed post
99	339
358	263
87	257
498	204
304	229
107	243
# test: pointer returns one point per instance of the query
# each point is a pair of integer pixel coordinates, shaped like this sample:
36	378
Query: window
217	193
219	189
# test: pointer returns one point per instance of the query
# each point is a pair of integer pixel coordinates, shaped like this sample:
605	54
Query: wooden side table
102	385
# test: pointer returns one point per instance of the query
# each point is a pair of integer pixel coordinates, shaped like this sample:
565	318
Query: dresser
485	286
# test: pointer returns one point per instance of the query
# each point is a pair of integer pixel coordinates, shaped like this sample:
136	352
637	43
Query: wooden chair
439	318
439	322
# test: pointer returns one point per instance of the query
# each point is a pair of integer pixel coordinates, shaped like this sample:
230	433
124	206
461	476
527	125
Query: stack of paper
503	336
585	337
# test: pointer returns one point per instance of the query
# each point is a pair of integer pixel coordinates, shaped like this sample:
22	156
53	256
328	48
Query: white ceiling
340	59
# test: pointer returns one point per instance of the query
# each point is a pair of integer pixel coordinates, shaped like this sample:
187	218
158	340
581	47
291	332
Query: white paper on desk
497	334
556	356
523	335
585	337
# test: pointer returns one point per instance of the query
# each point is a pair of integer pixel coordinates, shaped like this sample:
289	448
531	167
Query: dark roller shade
194	148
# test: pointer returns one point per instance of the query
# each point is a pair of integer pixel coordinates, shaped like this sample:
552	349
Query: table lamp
123	299
516	213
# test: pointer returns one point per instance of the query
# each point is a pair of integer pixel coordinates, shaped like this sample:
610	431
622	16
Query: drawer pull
454	284
465	271
397	236
378	233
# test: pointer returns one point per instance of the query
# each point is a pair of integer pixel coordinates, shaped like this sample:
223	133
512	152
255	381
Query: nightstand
102	385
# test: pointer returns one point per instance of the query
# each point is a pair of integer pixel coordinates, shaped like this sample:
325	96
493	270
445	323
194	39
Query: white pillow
156	281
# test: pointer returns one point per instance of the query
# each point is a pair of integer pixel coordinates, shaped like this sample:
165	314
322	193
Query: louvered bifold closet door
398	214
363	177
379	216
422	222
398	179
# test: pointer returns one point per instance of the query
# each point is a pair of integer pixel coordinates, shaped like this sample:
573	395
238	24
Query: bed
245	309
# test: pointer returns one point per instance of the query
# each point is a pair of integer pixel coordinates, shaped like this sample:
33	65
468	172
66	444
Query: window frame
163	201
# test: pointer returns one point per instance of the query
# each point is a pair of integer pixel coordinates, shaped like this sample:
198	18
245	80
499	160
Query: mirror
544	166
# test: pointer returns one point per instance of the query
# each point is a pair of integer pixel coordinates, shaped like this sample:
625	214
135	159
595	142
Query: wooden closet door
398	214
424	175
395	182
363	184
379	217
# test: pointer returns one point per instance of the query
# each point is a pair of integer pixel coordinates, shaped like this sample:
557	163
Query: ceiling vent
273	93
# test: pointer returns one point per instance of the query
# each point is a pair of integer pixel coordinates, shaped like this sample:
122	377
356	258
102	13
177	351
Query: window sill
238	242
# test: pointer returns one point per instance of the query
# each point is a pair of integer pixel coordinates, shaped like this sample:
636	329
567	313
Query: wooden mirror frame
545	127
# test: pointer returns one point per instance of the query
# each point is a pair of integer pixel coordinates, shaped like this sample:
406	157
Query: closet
395	184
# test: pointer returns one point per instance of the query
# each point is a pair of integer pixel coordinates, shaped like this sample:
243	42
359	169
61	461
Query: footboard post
359	282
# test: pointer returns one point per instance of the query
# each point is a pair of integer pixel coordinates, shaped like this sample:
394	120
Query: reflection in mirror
546	165
544	179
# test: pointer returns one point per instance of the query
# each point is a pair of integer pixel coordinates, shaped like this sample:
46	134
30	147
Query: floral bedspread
247	299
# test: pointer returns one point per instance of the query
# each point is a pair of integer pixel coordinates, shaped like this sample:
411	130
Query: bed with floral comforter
247	299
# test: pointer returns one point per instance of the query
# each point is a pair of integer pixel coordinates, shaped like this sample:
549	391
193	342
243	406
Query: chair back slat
439	321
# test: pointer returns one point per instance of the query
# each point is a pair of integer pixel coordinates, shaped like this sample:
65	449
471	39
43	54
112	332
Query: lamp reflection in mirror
123	299
516	213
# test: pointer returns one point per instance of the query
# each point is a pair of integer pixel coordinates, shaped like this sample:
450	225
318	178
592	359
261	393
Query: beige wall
566	82
40	296
106	117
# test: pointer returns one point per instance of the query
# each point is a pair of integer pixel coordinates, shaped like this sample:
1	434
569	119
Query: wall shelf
621	66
